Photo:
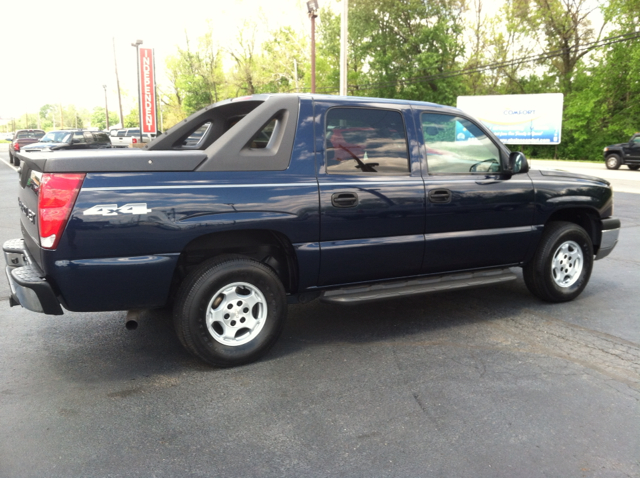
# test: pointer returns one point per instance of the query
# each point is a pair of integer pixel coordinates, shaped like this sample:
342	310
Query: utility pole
312	7
344	34
118	83
106	106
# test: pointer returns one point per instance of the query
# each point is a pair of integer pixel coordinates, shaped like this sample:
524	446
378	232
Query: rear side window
78	138
102	138
365	141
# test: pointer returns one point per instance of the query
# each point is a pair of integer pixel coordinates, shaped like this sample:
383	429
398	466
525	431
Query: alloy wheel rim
236	314
567	264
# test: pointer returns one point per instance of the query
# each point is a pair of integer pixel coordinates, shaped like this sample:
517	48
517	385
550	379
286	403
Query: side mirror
517	163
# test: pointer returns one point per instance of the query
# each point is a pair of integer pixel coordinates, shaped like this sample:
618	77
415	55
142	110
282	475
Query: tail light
16	146
56	198
134	140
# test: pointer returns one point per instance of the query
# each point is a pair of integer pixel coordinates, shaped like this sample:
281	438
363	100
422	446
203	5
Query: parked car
22	138
70	139
128	136
624	153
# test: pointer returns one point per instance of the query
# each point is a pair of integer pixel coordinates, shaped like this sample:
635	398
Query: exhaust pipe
131	320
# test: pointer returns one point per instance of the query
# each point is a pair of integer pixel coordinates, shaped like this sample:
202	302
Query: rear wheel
561	267
634	167
230	311
613	161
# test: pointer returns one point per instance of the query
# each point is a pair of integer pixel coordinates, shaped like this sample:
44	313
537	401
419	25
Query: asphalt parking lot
487	382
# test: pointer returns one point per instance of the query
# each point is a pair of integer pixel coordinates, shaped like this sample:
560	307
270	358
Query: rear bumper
29	288
610	233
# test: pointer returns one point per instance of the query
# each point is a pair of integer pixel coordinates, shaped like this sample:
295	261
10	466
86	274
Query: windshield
30	134
56	137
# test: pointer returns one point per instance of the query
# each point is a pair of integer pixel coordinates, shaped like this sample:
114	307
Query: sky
63	52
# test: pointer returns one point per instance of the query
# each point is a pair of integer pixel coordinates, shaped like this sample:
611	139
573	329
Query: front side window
56	137
365	141
455	145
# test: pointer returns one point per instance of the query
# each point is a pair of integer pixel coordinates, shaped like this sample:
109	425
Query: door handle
344	199
440	196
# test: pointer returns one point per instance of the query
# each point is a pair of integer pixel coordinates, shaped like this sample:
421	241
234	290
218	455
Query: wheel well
268	247
587	220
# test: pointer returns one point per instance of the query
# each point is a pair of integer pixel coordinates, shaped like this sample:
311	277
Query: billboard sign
147	91
518	119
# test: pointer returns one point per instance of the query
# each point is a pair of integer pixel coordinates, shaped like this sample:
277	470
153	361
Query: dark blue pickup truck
257	202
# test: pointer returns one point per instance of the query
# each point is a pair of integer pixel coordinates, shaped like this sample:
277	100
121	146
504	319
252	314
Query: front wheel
613	161
230	311
561	267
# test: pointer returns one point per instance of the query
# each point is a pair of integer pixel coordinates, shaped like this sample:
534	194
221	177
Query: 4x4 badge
114	210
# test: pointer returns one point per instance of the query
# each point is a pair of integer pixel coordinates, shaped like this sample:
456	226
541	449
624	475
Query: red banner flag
147	91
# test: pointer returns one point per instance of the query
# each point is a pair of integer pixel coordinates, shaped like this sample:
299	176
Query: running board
388	290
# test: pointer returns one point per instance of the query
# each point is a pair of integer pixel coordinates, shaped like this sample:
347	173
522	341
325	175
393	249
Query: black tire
10	158
634	167
254	297
16	161
613	161
563	245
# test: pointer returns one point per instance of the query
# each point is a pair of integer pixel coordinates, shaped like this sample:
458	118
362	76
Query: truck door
476	216
633	151
372	196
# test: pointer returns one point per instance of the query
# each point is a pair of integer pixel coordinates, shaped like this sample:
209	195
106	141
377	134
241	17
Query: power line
495	65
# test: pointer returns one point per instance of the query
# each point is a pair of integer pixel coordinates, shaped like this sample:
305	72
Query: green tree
196	76
99	118
132	120
398	48
284	49
248	76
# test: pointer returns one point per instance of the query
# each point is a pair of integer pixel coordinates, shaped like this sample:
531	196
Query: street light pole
106	106
137	45
312	8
